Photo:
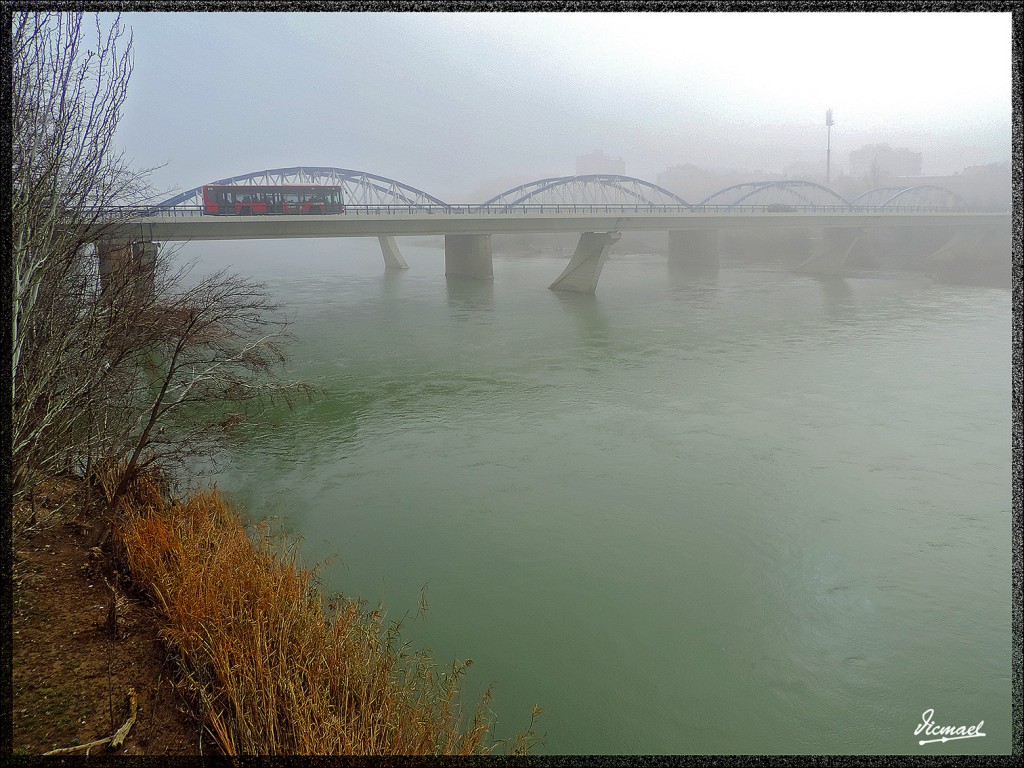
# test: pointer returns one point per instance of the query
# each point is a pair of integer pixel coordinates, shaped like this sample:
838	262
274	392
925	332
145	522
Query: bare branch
119	361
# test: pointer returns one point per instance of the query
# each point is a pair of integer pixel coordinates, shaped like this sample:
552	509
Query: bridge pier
975	255
584	268
693	250
392	256
468	256
833	250
124	262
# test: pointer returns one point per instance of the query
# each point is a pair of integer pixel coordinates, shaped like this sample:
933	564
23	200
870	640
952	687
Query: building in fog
982	187
878	162
598	162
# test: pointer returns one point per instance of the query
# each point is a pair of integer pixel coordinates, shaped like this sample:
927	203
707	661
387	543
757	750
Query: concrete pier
468	256
584	268
695	237
121	262
832	251
693	250
978	255
392	256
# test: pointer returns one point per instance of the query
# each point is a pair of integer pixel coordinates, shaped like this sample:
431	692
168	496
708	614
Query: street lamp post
828	146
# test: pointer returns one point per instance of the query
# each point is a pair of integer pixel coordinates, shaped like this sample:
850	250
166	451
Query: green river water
747	512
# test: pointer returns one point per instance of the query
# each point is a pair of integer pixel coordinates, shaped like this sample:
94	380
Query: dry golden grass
273	672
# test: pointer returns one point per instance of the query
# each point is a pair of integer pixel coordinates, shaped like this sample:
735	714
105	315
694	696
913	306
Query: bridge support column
830	257
392	256
123	263
468	256
693	249
584	268
975	255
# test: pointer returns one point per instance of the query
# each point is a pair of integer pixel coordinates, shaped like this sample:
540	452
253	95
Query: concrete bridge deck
165	229
692	235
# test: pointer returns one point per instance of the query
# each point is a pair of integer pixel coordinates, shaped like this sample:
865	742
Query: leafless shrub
130	366
273	670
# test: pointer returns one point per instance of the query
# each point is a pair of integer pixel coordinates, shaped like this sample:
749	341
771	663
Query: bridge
599	207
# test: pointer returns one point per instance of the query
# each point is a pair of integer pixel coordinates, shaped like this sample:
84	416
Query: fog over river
748	511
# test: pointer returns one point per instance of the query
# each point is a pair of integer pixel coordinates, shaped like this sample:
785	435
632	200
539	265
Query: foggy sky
459	104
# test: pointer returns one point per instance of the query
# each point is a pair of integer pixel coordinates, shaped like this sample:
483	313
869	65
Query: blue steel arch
791	185
361	188
876	193
889	194
628	185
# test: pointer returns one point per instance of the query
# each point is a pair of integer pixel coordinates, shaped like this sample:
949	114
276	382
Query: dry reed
272	671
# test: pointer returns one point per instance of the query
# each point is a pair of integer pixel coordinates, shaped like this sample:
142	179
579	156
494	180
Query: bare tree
204	357
65	104
129	367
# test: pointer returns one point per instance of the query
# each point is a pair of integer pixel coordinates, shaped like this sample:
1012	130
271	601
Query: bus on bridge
247	200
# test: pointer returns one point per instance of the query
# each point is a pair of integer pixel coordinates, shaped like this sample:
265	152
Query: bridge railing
189	211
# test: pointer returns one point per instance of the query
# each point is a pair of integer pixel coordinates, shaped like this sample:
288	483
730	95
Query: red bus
240	200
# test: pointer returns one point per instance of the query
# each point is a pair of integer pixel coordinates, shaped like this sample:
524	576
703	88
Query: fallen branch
112	742
118	738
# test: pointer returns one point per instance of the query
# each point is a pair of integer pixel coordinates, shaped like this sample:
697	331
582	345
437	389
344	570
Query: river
747	512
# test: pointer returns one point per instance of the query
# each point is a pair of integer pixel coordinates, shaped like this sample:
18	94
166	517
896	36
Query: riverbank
211	641
71	675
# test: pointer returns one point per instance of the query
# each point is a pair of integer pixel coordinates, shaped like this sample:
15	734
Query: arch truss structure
592	189
922	196
778	192
358	187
